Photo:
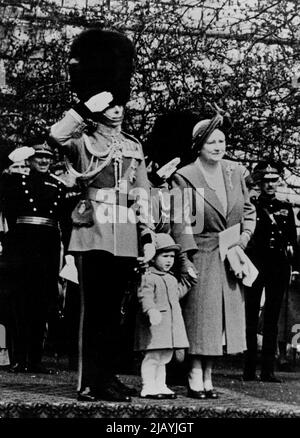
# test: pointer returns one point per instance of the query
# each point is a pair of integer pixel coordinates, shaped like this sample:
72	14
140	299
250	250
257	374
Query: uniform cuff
83	111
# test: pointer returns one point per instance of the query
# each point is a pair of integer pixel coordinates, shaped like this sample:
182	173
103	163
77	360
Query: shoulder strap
131	137
88	174
270	216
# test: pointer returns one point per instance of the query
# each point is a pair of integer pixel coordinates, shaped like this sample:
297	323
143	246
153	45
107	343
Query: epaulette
132	148
131	137
59	180
284	201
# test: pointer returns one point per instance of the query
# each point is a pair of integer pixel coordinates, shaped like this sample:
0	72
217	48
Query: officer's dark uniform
268	249
32	205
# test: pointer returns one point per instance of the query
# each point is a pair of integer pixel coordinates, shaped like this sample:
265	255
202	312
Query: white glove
236	264
187	268
168	169
149	252
154	316
192	273
69	271
99	102
21	154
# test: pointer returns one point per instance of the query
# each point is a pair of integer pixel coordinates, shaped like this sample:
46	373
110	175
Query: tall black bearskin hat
101	60
171	137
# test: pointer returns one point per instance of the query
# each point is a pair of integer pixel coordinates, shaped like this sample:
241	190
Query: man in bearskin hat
272	250
109	165
32	205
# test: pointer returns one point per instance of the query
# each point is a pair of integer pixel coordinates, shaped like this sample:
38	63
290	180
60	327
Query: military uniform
105	238
269	250
32	205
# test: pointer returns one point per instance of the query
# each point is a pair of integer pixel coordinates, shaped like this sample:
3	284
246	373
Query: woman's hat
164	242
203	129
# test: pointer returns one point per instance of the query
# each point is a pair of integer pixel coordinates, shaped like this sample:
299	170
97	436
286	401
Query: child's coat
160	290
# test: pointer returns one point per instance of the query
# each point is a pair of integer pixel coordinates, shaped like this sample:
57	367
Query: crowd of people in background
179	280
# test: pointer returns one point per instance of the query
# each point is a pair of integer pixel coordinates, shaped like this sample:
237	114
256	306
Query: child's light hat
164	242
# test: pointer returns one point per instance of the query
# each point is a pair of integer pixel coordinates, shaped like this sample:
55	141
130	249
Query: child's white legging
153	371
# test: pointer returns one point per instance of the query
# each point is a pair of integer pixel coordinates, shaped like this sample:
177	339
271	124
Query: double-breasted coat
215	305
160	290
33	206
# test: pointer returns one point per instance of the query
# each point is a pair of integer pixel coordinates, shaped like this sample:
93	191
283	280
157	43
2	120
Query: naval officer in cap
272	250
32	204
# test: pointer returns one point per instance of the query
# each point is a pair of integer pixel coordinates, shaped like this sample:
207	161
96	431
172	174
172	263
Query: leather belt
37	220
107	196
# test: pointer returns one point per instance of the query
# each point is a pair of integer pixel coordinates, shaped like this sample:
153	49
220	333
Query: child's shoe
150	393
167	392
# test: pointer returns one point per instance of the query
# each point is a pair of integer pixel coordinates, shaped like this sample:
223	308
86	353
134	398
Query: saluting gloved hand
21	154
99	102
154	316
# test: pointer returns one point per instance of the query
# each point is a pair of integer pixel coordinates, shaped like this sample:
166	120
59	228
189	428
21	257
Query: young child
160	327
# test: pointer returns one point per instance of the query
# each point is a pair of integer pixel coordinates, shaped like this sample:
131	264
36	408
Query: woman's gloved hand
244	239
154	316
188	281
187	269
236	262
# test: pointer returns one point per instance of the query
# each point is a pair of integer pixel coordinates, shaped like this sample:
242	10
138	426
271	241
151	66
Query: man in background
32	205
272	250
